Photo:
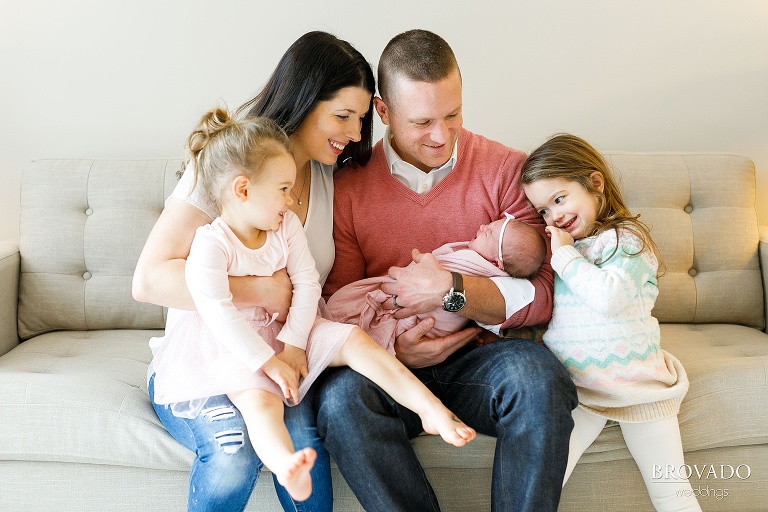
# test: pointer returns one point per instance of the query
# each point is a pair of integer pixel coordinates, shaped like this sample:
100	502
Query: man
430	182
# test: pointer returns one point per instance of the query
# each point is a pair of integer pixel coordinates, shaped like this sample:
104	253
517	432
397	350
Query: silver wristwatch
455	299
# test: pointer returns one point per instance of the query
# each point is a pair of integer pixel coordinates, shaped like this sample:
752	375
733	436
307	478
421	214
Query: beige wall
129	79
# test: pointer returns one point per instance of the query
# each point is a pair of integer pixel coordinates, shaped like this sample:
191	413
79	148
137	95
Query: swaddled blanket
360	303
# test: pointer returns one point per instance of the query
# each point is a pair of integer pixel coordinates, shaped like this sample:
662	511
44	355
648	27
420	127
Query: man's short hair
419	55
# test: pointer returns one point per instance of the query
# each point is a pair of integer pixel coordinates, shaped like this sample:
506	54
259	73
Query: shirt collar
393	158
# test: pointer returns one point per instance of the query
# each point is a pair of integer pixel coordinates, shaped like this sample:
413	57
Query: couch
77	432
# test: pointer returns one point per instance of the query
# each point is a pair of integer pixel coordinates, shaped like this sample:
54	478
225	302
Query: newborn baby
513	246
503	248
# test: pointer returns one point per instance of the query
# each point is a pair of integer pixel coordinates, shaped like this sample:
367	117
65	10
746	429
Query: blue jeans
514	390
226	467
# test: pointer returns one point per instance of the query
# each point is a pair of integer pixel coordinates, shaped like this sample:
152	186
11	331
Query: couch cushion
701	208
81	397
83	225
727	403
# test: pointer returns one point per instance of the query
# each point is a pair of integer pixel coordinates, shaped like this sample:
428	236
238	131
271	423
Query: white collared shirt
411	176
517	293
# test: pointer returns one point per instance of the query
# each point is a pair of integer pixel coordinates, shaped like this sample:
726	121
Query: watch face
454	301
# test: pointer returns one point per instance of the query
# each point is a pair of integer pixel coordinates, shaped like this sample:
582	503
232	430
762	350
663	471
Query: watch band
455	299
458	282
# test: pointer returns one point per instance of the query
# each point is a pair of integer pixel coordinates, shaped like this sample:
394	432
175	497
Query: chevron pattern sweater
377	220
603	332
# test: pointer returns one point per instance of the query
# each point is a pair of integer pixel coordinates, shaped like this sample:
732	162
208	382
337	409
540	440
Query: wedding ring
394	302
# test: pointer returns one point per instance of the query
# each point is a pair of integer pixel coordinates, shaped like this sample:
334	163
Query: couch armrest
10	262
763	252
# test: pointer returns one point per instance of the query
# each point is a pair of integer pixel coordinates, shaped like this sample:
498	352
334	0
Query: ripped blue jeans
225	468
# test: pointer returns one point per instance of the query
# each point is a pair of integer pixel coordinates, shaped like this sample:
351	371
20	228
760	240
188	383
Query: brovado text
701	472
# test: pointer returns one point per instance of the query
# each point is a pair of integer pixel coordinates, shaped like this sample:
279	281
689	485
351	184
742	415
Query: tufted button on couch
77	431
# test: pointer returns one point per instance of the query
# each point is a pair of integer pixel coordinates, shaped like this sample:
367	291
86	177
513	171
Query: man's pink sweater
377	220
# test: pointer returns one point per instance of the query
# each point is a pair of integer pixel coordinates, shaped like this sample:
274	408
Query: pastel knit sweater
377	220
603	332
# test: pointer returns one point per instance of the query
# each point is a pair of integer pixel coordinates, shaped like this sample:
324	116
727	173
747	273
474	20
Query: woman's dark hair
312	70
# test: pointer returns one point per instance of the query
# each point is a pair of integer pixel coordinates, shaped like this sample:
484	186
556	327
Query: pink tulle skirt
190	365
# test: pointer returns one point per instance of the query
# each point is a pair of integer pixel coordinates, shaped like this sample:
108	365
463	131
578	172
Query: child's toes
467	433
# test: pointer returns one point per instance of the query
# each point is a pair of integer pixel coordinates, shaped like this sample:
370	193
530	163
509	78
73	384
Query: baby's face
486	242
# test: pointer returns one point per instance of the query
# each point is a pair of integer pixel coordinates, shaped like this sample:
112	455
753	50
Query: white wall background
129	79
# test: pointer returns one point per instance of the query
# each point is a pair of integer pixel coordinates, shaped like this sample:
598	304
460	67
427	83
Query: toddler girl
246	173
602	330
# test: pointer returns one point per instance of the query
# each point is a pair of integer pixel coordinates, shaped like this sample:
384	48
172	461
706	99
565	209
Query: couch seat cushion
727	403
80	396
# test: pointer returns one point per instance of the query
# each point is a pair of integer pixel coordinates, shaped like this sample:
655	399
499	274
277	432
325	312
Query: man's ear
381	109
597	180
239	188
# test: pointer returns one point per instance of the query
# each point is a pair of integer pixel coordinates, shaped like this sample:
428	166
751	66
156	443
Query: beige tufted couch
77	431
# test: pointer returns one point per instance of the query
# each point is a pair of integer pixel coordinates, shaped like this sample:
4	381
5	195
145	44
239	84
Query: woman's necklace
304	184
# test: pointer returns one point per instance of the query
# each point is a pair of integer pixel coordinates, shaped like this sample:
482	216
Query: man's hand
486	337
416	351
419	287
285	377
559	237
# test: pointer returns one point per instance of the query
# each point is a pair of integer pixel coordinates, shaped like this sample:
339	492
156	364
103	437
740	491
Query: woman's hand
284	376
273	293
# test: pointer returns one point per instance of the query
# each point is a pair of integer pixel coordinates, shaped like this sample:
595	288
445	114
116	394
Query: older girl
602	329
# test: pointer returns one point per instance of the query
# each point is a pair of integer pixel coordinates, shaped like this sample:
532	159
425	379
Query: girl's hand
296	358
559	237
285	377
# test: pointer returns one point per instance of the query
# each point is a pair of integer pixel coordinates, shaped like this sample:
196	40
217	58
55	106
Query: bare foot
440	420
295	476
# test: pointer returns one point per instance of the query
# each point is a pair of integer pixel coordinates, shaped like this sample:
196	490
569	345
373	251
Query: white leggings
654	443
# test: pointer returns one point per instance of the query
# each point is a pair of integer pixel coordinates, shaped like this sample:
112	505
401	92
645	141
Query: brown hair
418	55
572	158
222	147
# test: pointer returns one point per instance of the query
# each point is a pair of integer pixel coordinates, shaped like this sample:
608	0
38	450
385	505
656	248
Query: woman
321	95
